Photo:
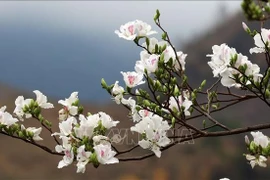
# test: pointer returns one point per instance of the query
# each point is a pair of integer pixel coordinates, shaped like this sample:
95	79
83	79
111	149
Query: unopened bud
245	27
247	140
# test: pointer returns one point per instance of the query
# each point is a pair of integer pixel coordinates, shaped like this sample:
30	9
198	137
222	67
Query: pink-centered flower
133	79
133	29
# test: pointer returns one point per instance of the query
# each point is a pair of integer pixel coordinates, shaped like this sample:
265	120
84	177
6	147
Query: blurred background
65	46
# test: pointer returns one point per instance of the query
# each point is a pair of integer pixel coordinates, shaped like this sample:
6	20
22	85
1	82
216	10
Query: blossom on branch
181	103
256	160
154	132
262	41
6	118
133	29
117	92
70	109
133	79
233	68
41	100
105	155
35	131
21	103
260	139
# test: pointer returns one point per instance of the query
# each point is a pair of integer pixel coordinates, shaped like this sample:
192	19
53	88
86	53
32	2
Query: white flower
85	129
131	103
256	160
41	100
107	121
20	103
175	103
182	59
66	127
133	79
68	151
105	155
220	59
220	64
117	92
82	158
154	129
69	108
260	40
6	118
260	139
36	132
131	30
147	62
168	54
151	64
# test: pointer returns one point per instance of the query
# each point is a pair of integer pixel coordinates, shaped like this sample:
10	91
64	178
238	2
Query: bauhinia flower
35	131
221	66
69	107
137	28
66	127
85	127
21	103
256	160
148	62
182	59
66	147
41	100
133	79
169	54
154	131
89	123
260	139
117	92
6	118
262	41
180	102
106	120
220	59
83	157
105	155
131	103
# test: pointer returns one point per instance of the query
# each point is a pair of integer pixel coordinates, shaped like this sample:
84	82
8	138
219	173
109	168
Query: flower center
131	29
102	153
131	79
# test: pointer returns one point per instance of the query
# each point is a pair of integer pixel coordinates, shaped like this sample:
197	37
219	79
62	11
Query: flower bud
247	140
245	27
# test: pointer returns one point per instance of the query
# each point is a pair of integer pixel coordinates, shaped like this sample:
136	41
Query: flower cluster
83	137
25	108
156	56
70	106
259	149
234	68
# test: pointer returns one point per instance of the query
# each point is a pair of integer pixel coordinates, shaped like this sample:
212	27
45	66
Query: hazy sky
180	18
